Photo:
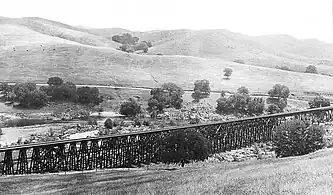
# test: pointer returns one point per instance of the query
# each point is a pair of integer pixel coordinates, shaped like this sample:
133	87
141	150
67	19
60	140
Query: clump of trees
169	95
311	69
131	44
227	72
201	90
277	98
239	61
26	94
294	138
319	101
29	96
240	103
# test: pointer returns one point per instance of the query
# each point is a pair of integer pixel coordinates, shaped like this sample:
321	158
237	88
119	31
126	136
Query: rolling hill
33	49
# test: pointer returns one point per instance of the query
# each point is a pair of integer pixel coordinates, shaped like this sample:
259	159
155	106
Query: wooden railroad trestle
124	150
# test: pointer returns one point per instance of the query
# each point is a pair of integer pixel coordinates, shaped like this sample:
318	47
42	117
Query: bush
279	103
273	109
125	38
130	108
319	101
294	138
311	69
108	124
184	146
201	90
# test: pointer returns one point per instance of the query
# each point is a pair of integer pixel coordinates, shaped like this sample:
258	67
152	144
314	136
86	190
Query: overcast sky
299	18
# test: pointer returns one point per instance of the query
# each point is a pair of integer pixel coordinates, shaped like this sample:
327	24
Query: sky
299	18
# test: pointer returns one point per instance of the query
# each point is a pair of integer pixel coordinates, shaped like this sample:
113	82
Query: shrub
279	103
294	138
125	38
1	133
184	146
130	108
201	90
108	124
63	93
311	69
319	101
227	72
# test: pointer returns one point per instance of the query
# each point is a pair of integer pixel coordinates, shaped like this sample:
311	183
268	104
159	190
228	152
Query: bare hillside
34	49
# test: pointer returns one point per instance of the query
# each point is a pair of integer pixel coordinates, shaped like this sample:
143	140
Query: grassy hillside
309	174
34	49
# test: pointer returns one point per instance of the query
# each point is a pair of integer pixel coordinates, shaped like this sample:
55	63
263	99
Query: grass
71	54
309	174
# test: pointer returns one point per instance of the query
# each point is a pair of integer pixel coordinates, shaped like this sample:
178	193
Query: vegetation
279	91
278	98
283	68
125	38
55	81
168	96
88	95
294	138
130	108
239	61
319	101
240	103
227	72
201	90
311	69
243	90
184	147
108	123
25	122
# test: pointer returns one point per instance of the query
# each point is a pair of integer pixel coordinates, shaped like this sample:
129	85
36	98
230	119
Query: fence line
137	148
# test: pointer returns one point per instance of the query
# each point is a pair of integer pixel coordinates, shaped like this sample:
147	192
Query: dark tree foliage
63	93
125	38
201	90
279	91
130	108
55	81
311	69
183	147
227	72
243	90
141	46
169	95
28	95
279	104
273	109
319	101
294	138
88	95
240	103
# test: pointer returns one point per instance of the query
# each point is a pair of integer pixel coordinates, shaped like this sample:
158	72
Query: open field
309	174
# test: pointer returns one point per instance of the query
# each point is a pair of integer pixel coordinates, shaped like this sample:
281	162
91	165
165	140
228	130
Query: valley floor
309	174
